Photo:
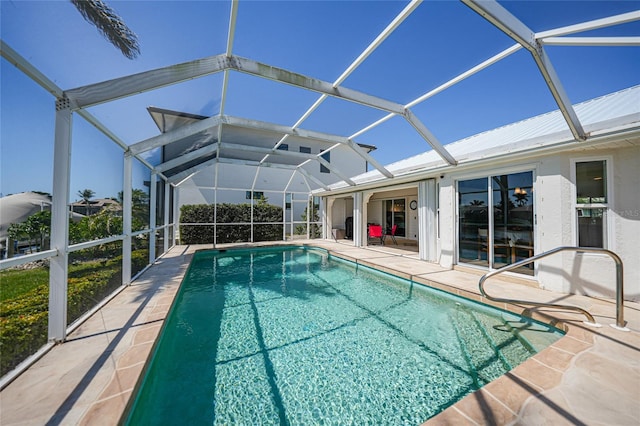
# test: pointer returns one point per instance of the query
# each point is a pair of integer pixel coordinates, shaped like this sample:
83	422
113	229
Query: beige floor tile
591	375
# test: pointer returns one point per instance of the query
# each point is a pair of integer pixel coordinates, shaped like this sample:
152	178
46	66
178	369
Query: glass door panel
513	219
394	213
473	224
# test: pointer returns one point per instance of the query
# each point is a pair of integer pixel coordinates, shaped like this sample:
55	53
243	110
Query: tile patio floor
591	376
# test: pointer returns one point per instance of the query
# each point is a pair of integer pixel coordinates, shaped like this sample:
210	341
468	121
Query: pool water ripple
292	336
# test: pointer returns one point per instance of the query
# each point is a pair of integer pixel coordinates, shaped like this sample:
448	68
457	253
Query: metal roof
616	113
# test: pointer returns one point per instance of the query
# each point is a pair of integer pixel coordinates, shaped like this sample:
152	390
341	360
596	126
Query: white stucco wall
412	219
589	273
553	209
579	273
626	216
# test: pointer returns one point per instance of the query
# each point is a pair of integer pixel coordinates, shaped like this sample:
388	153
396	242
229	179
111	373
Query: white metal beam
591	25
185	158
368	158
358	61
153	204
127	218
404	14
174	135
333	169
32	72
430	138
177	184
195	169
110	90
281	75
591	41
289	182
23	65
108	133
166	207
255	163
309	176
292	154
59	264
444	86
232	27
307	134
178	177
134	84
263	150
514	28
372	125
484	64
230	38
276	128
215	203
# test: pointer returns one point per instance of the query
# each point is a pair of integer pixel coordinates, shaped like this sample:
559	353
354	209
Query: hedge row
229	213
24	319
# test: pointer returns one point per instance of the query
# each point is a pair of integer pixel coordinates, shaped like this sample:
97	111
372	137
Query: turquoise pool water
294	336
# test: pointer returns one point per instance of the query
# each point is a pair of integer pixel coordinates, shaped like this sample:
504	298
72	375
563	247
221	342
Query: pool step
490	348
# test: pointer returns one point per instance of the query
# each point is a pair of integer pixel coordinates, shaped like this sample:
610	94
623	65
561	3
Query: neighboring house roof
17	208
99	203
611	114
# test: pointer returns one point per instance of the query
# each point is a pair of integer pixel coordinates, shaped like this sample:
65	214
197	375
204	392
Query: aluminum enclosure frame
78	99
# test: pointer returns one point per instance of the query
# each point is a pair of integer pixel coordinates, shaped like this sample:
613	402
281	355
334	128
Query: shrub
24	318
230	213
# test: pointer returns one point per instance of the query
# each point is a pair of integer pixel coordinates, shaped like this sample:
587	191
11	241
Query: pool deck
591	376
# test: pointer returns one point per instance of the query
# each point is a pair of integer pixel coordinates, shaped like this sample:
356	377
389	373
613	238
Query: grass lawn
15	283
24	301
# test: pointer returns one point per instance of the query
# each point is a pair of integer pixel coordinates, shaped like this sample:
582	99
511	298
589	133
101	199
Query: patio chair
375	232
391	233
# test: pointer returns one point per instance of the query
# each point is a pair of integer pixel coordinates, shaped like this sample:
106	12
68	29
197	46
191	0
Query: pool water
295	336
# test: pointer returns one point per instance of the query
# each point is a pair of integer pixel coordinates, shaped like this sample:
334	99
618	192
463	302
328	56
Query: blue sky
440	40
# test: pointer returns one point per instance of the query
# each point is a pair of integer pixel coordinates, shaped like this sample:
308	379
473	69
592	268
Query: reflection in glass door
503	234
395	215
473	223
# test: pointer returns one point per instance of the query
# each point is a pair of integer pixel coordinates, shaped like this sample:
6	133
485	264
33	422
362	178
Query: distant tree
39	227
35	229
17	231
110	25
521	198
86	195
139	208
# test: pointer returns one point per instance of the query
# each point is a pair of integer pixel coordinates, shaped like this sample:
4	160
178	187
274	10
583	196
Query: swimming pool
295	336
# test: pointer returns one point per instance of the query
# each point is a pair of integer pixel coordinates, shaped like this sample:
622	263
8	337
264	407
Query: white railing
620	324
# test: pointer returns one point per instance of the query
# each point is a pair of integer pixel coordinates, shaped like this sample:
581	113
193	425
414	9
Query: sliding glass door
473	222
394	213
502	234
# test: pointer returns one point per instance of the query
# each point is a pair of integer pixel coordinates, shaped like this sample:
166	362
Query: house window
327	157
283	147
257	195
591	203
305	149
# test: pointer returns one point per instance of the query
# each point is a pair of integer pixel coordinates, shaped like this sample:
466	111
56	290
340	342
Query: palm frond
110	25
